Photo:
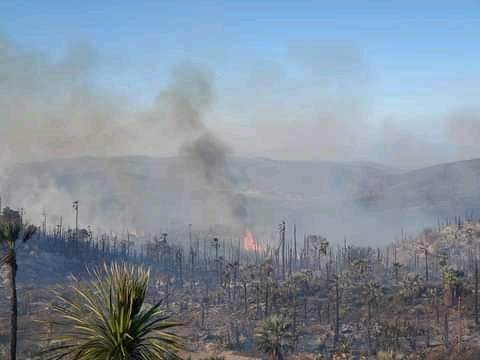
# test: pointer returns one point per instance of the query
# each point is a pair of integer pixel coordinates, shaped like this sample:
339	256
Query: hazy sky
390	81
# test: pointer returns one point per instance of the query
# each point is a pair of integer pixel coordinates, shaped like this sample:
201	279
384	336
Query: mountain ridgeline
367	202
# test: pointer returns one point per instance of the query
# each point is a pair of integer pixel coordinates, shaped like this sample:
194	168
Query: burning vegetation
181	256
309	298
250	243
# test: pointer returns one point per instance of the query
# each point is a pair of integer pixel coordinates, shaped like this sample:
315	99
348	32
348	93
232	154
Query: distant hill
365	201
442	190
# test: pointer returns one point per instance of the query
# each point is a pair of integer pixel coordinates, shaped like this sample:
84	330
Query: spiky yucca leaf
108	320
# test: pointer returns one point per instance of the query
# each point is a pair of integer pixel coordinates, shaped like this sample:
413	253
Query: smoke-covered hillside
364	201
442	190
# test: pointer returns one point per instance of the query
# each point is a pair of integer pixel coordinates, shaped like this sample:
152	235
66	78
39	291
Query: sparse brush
389	355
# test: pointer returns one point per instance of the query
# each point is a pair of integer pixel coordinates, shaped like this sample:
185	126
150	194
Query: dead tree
476	291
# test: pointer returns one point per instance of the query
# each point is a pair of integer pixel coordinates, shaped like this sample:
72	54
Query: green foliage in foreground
274	337
108	320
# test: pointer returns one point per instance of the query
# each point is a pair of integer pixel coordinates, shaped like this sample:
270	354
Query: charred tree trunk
319	312
445	329
257	297
476	291
369	320
266	298
305	307
295	310
167	292
203	316
11	263
328	312
295	246
426	265
337	312
245	299
282	239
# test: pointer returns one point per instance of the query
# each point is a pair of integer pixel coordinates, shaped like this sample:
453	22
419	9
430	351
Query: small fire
249	242
135	233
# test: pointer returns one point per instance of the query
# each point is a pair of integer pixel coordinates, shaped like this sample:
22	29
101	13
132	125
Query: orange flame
249	242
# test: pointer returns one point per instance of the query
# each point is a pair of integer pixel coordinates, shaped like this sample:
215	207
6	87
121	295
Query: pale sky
389	81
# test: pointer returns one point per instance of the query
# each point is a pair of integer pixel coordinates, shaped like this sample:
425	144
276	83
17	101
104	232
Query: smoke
185	104
314	107
317	106
56	109
442	138
406	148
463	132
53	108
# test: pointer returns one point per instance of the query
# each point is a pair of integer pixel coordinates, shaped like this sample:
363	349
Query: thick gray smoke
186	103
55	109
319	107
463	132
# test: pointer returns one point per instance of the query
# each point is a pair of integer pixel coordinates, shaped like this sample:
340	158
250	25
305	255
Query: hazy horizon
251	157
394	84
377	87
284	179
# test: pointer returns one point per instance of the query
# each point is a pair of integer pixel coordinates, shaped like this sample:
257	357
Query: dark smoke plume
206	157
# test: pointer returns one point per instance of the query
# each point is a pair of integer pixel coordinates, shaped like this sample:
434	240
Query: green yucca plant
274	337
109	320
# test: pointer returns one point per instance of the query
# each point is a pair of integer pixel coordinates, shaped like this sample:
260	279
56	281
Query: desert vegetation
239	180
200	294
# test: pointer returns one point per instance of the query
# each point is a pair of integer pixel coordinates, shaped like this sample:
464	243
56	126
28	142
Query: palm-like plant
409	285
449	279
13	230
274	337
110	320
